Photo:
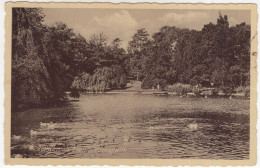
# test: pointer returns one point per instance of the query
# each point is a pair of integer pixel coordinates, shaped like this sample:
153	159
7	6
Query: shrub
150	82
74	93
182	89
243	89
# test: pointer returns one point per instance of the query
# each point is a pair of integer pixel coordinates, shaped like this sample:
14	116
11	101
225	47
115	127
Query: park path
135	86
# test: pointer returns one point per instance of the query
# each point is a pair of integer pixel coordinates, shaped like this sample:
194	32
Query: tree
59	58
45	59
218	54
30	79
138	51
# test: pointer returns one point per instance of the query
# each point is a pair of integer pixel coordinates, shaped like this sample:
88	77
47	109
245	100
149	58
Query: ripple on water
119	126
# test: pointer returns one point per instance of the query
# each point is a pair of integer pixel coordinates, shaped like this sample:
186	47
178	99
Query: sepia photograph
131	83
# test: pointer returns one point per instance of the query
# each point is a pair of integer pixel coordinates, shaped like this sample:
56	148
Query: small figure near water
43	125
151	129
31	147
18	156
47	126
17	137
193	126
32	132
127	139
51	126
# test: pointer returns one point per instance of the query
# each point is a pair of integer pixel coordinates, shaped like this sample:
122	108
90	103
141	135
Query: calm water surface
135	126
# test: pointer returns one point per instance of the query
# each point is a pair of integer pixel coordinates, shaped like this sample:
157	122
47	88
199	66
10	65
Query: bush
243	89
182	89
150	82
74	93
102	80
227	90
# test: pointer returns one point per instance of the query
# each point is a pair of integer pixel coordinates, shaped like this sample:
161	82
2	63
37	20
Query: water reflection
135	126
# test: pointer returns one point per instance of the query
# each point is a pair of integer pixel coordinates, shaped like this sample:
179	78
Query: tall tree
138	50
60	56
30	78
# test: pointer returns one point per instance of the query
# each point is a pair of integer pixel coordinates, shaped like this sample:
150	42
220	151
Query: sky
123	23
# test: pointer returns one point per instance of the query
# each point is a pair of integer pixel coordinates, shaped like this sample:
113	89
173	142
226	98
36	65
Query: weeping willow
102	80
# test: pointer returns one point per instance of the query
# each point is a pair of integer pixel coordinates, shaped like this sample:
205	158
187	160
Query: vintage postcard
130	84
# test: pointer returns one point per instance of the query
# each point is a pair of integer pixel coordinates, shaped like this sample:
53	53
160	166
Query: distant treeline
218	54
49	60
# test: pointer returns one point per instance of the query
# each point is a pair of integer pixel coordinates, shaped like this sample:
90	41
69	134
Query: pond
134	126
